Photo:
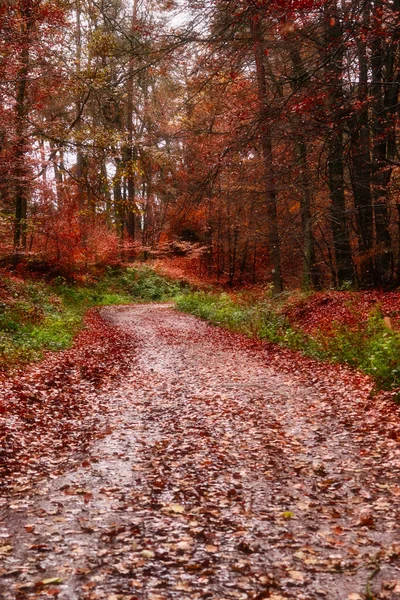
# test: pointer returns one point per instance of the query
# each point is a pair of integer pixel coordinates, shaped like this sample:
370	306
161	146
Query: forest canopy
259	137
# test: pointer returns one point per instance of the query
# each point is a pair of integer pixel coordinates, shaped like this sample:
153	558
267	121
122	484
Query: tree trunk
311	278
338	214
57	168
21	183
266	144
105	187
118	209
385	91
360	164
130	151
80	158
398	244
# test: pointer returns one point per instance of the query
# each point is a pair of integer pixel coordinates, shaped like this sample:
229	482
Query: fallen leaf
287	514
366	519
297	576
183	546
182	586
175	508
51	581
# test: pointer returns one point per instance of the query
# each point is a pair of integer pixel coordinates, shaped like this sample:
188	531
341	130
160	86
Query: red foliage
34	28
185	269
70	240
325	310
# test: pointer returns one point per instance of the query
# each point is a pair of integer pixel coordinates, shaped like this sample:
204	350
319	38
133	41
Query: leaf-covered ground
219	468
51	410
324	310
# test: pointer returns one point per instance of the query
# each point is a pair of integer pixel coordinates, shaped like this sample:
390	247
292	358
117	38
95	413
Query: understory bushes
32	317
369	345
37	316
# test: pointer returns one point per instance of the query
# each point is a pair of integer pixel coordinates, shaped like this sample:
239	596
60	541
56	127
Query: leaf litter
215	467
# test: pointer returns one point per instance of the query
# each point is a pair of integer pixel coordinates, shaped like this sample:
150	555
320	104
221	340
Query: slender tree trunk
398	244
21	183
118	208
254	274
209	239
310	270
130	154
21	192
338	213
266	143
80	159
385	92
219	253
360	164
311	275
57	169
105	188
383	241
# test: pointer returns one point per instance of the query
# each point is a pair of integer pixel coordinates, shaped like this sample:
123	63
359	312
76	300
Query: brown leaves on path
231	470
50	409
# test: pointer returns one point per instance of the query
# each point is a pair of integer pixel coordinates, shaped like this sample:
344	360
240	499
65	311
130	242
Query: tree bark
21	174
80	159
385	93
360	162
130	150
311	277
345	271
266	144
118	209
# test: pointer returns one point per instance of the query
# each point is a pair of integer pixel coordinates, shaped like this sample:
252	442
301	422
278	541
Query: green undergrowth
37	316
370	347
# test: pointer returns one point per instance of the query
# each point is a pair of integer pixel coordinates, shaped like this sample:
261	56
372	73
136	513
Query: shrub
37	316
146	285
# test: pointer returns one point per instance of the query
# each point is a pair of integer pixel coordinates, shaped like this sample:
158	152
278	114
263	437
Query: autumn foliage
268	141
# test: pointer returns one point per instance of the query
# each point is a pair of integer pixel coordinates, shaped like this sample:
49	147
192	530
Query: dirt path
220	478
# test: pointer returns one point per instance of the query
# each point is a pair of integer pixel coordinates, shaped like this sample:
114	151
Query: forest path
220	478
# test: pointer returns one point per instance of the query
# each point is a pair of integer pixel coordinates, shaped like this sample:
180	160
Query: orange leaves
351	309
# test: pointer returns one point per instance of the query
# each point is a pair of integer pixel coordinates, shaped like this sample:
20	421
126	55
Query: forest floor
196	463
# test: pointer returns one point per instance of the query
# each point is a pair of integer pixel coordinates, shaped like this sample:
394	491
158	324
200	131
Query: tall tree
335	161
267	152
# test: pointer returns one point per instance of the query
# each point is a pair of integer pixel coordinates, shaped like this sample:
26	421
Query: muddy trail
220	477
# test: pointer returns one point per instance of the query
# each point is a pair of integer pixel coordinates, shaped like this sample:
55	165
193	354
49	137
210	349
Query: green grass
371	348
35	316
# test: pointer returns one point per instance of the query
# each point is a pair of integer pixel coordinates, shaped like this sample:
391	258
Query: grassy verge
369	346
35	316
